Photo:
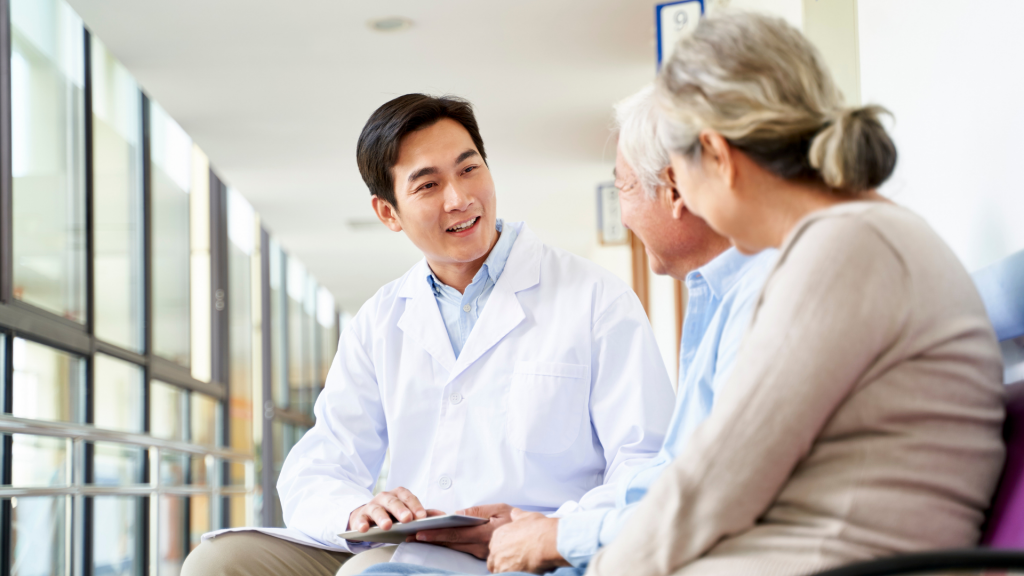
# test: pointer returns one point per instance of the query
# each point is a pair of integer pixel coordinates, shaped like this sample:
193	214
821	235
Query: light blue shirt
461	311
721	299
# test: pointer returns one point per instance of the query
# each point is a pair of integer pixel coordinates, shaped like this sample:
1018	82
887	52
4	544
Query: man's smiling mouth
464	226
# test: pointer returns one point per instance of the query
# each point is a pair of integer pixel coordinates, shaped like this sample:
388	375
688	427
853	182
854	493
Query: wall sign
610	229
673	20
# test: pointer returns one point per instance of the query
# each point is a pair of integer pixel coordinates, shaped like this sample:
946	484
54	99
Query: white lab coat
559	389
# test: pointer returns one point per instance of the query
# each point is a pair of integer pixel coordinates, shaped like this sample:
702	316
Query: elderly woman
863	415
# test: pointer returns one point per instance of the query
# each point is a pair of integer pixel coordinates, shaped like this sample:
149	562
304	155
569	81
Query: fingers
380	516
435	512
411	503
478	550
359	520
517	513
486	510
469	535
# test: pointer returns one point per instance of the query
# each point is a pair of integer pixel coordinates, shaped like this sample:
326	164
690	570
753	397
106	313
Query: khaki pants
256	554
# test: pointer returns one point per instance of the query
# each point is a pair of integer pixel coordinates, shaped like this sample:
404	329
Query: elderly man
723	287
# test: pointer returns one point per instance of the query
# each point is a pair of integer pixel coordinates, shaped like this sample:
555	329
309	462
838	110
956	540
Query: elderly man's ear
671	194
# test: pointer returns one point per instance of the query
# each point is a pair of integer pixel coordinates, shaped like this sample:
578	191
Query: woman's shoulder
878	225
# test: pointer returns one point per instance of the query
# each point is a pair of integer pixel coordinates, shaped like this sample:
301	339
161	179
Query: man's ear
667	189
387	214
718	156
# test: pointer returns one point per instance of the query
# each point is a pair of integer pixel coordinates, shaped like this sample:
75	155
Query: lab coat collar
422	319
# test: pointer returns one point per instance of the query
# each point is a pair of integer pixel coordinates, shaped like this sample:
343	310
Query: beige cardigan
862	418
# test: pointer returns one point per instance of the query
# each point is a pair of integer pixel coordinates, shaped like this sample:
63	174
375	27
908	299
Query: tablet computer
400	531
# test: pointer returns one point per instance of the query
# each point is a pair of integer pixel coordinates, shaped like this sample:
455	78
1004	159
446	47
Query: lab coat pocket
546	402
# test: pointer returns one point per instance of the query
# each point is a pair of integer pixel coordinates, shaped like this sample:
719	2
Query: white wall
662	309
950	72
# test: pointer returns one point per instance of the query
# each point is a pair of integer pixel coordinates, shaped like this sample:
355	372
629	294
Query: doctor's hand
400	503
473	540
528	544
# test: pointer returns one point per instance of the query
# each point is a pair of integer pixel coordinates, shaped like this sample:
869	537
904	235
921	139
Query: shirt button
445	482
455	398
467	308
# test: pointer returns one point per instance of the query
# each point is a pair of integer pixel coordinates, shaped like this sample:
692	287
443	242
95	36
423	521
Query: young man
499	371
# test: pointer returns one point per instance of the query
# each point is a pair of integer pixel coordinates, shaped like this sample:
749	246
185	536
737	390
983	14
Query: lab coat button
445	482
467	307
455	398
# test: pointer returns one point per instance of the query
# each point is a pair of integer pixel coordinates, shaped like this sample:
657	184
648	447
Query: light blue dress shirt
721	299
461	311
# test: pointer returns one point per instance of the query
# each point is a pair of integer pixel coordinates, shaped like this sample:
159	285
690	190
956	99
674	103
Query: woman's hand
528	544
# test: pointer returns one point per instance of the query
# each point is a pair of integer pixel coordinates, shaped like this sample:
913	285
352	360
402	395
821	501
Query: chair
1002	290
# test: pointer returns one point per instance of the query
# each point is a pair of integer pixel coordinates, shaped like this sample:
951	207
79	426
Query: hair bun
853	152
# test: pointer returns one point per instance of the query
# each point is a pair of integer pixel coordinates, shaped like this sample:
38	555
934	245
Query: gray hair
636	119
760	83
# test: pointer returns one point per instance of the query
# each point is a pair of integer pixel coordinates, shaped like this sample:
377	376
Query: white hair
636	119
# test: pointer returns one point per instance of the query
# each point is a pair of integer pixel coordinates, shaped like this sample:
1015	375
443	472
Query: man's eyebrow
467	154
422	172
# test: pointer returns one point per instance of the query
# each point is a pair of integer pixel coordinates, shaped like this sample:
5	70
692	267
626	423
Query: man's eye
427	186
471	168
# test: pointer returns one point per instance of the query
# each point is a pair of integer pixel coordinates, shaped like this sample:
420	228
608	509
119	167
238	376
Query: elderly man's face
676	240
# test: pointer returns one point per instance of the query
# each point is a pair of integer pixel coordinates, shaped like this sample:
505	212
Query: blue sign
673	20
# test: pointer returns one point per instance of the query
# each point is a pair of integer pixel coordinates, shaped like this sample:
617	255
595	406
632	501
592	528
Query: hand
399	503
473	540
527	544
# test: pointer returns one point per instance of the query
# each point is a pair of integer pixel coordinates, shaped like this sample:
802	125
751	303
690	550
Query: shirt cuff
579	535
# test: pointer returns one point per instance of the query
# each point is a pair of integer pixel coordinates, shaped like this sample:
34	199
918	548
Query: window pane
117	199
172	468
171	537
47	139
115	464
166	411
326	319
47	382
114	540
171	162
199	473
298	346
278	327
202	301
199	518
37	536
205	415
117	394
241	246
38	461
237	506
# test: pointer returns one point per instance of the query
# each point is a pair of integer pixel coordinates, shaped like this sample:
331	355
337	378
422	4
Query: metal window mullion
6	271
220	324
6	175
267	448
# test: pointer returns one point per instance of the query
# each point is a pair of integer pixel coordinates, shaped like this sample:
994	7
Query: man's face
445	195
676	240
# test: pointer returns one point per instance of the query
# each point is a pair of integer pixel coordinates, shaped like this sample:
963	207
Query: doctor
499	371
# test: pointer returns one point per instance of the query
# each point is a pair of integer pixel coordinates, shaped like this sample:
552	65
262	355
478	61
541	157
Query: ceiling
277	92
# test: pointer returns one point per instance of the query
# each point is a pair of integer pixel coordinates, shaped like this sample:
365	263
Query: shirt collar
722	273
494	265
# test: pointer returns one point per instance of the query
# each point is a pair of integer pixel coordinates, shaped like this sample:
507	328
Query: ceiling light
390	24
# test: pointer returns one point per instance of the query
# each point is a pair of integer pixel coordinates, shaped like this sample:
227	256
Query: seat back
1002	289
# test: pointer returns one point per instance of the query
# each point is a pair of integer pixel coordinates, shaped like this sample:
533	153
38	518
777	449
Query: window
117	200
47	137
47	382
171	178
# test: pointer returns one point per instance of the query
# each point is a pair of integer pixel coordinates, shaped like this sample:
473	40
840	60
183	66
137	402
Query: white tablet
399	531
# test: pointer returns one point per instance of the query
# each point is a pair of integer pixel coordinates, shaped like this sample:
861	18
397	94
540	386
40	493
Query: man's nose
456	199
